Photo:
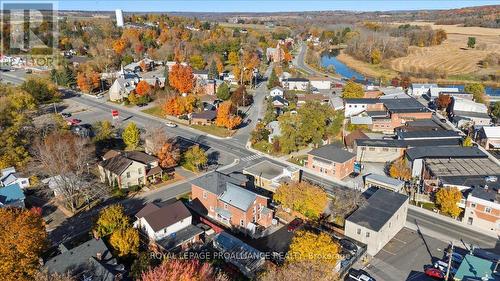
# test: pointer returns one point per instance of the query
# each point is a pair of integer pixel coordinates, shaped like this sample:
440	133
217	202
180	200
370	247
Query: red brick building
225	200
331	161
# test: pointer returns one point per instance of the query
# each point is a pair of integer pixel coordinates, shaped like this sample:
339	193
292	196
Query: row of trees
374	47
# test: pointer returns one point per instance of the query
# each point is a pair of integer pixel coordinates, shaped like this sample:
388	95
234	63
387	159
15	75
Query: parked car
65	114
171	124
29	71
141	104
295	224
74	121
434	273
443	266
348	245
455	257
360	275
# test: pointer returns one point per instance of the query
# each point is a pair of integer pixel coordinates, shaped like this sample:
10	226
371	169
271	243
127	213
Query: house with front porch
129	168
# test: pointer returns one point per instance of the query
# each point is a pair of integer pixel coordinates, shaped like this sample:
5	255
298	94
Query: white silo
119	18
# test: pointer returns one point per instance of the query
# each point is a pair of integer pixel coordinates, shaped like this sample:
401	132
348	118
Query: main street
244	157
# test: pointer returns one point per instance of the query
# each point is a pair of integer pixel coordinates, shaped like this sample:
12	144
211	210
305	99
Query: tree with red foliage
443	101
240	97
88	81
188	270
143	88
181	78
169	155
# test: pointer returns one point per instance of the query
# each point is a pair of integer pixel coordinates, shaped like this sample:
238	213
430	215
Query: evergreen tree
273	80
213	73
223	92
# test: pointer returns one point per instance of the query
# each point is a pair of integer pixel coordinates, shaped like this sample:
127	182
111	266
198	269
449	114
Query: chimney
62	248
98	256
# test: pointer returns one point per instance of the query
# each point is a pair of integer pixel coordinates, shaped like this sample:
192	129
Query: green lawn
155	111
298	160
213	130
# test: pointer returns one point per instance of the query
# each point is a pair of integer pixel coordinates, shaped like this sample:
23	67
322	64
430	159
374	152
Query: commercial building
378	221
331	161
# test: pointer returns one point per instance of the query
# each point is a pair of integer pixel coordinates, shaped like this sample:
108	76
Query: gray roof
238	197
181	236
140	156
118	161
297	79
380	142
380	207
215	182
83	260
165	216
333	153
404	105
280	99
362	101
265	169
407	143
117	164
462	166
207	114
444	152
384	179
422	134
489	194
472	114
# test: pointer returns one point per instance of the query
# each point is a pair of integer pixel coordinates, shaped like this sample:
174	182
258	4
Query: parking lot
405	257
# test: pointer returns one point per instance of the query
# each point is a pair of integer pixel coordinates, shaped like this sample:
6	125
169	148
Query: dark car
348	245
353	174
359	275
295	224
141	104
434	273
65	114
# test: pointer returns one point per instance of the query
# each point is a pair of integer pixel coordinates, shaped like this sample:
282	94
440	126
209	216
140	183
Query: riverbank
377	71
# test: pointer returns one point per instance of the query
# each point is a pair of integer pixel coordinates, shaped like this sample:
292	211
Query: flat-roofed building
270	176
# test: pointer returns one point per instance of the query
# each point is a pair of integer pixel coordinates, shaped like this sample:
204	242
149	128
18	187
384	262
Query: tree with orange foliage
226	117
143	66
169	155
171	106
443	101
143	88
88	81
181	78
183	269
119	46
22	241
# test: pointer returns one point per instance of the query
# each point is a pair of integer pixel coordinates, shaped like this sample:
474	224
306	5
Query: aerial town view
246	140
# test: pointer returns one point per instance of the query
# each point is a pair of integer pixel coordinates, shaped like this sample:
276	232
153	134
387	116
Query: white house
200	75
299	84
460	104
276	91
321	83
419	90
489	137
9	176
353	107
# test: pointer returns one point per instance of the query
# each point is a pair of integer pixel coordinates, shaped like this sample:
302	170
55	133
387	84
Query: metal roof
238	197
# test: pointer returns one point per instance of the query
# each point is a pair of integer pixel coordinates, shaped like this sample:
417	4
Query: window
358	231
372	149
367	234
487	210
205	194
385	149
469	221
139	171
321	170
128	175
473	205
241	222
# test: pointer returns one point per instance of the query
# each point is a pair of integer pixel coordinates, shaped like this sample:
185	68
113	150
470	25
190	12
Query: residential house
378	221
419	90
279	104
331	161
275	131
136	66
489	137
12	195
10	176
321	83
297	84
91	260
465	112
224	199
130	168
210	86
482	206
203	118
246	258
476	268
122	87
275	54
302	99
350	139
270	176
200	75
393	93
354	107
169	226
277	91
383	181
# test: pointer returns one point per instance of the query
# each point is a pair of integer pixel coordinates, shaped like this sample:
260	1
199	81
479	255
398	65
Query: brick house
224	199
482	208
203	118
331	161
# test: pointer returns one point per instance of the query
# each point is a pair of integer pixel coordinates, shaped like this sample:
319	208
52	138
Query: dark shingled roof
83	259
140	157
164	216
444	152
297	79
407	143
207	115
428	134
362	101
404	105
352	137
380	207
117	164
333	153
215	182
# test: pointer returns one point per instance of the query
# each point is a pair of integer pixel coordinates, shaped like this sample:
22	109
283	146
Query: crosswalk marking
251	157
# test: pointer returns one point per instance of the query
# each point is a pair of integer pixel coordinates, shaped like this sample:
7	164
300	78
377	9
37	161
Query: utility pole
450	256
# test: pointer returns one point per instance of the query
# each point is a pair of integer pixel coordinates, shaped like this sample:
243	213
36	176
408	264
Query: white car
443	266
171	124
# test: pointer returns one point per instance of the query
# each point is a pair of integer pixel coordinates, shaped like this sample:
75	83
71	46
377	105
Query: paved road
299	62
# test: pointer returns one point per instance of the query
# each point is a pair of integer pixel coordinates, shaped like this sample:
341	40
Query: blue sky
262	5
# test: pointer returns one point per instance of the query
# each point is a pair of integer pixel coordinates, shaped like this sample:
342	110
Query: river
330	58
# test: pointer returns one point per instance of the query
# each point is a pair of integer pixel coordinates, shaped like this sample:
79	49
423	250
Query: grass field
155	111
213	130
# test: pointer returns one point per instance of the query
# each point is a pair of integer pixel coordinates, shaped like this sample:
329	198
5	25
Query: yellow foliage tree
125	241
233	58
352	90
308	246
111	219
447	199
399	169
302	197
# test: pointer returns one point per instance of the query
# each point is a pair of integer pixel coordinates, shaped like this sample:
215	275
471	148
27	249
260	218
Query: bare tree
156	138
67	158
346	201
